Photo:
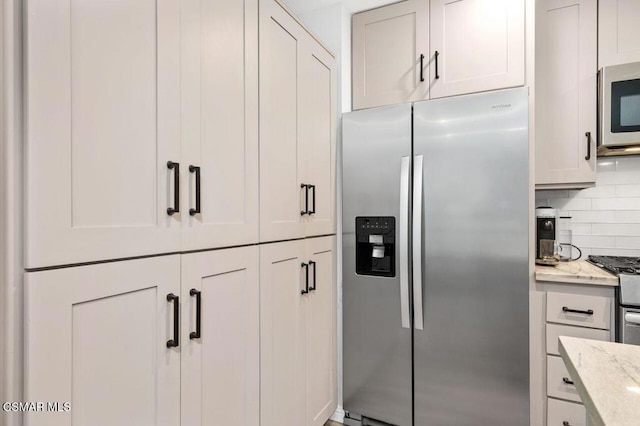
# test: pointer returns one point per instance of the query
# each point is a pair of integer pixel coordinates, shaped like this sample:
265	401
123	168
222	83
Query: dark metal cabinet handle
567	381
306	199
312	263
421	67
566	423
176	187
196	169
175	342
588	156
577	311
196	334
306	287
313	199
436	60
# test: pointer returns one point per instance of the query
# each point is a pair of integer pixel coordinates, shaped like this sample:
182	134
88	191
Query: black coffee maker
545	227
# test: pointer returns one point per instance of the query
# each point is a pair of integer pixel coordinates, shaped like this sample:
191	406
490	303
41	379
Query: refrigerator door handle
418	317
404	241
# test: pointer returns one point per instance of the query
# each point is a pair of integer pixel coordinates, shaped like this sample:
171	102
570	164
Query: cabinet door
282	327
479	45
281	162
566	92
102	109
220	122
220	366
619	32
96	336
320	319
318	135
387	46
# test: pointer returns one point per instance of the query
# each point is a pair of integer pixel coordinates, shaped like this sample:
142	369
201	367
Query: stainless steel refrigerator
435	252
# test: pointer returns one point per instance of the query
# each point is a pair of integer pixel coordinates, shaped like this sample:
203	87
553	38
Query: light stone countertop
607	377
576	272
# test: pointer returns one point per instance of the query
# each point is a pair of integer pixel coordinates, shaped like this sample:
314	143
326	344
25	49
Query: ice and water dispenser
376	246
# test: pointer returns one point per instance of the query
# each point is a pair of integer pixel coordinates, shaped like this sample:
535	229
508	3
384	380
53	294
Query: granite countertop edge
575	272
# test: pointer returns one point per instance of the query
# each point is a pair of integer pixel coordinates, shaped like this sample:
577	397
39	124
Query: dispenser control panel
376	245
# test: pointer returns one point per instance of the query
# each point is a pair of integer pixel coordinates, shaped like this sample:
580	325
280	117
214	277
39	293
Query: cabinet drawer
592	311
556	330
559	412
556	375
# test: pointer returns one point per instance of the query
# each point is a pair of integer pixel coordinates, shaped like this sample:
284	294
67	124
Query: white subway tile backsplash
581	228
614	252
627	190
602	191
592	216
628	242
627	216
618	178
571	204
616	204
594	241
627	164
616	229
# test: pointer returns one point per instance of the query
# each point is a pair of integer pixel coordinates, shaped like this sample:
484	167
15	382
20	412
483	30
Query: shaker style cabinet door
476	45
282	195
102	110
320	320
219	123
102	338
283	278
391	54
619	32
317	142
565	93
220	338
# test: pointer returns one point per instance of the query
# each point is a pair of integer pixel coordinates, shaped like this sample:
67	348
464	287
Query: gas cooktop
617	264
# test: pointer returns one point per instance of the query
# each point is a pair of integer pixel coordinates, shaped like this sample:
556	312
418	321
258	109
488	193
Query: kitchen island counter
607	377
576	272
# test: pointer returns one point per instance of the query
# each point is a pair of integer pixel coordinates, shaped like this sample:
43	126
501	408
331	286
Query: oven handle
632	317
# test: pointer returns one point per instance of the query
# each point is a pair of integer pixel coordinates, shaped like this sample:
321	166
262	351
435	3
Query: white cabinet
619	32
221	358
102	107
219	123
391	54
566	56
416	50
297	129
298	332
479	46
96	336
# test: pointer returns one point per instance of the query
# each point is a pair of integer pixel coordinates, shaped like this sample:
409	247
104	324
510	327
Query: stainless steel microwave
619	110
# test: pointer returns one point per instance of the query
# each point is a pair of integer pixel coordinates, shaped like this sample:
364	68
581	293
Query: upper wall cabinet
566	32
102	121
390	54
619	32
297	129
141	128
476	45
404	53
219	123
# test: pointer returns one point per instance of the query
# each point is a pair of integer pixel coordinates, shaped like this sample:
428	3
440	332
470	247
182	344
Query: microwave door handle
418	316
405	169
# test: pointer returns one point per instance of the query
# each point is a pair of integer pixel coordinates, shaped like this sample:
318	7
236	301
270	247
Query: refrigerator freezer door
471	361
377	348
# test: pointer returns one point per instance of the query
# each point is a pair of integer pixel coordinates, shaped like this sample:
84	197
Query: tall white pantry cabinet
167	143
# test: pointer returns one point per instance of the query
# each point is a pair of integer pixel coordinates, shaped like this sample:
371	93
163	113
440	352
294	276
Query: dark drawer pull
313	199
588	156
196	170
566	423
176	187
312	263
567	381
196	334
306	199
577	311
306	273
175	342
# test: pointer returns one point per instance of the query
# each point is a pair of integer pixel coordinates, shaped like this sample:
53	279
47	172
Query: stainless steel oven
630	325
619	110
629	309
